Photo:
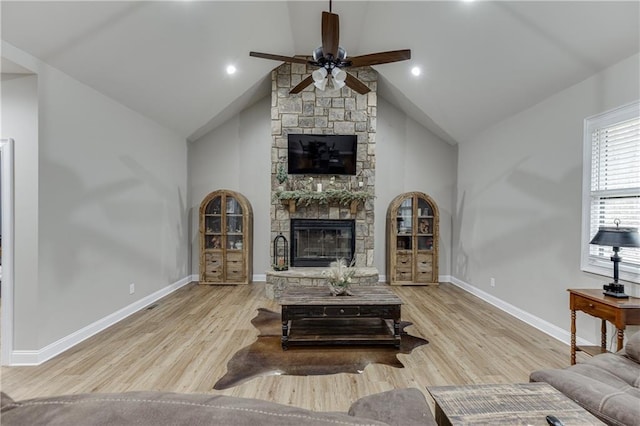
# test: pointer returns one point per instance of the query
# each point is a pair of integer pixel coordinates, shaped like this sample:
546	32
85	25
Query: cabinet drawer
404	259
425	277
403	268
213	276
596	309
213	259
342	311
235	276
403	276
424	263
234	256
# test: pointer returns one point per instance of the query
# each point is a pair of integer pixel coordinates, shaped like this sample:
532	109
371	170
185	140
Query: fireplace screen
320	242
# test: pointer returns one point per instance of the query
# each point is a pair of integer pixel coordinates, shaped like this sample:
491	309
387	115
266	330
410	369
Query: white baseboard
441	278
542	325
256	278
39	356
36	357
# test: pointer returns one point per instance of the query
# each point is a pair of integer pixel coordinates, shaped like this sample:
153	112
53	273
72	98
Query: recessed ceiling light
416	71
231	69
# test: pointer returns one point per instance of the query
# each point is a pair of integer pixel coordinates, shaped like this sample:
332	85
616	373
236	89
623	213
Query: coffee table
312	316
513	404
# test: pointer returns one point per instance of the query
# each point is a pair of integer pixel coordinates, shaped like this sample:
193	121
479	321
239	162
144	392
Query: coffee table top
515	404
362	295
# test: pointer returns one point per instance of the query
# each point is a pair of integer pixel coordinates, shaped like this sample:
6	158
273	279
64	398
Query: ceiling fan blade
356	84
278	57
330	34
380	58
300	86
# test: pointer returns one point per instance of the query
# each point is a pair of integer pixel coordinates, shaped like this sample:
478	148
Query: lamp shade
616	237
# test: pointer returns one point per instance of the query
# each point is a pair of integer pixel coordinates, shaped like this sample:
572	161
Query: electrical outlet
132	288
493	282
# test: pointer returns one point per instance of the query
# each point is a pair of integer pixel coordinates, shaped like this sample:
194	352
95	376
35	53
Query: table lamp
616	237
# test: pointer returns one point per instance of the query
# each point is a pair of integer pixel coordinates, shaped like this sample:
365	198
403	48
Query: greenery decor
281	174
307	197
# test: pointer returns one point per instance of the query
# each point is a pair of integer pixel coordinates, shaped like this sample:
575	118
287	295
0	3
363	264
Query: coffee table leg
396	331
285	334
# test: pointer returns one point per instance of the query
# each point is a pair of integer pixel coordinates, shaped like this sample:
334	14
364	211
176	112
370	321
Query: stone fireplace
339	112
318	242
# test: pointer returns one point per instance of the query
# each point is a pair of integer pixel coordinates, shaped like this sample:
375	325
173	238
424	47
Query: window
611	187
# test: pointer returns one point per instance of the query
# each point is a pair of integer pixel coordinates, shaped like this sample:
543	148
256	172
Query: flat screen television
322	154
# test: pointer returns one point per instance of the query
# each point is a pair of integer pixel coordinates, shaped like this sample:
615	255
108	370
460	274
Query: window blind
615	181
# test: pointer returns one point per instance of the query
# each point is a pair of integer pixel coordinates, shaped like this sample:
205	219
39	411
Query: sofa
401	407
607	385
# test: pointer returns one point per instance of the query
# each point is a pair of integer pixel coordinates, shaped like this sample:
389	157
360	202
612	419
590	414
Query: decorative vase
341	289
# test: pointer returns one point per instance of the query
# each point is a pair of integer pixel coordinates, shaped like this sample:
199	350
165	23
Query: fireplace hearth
318	242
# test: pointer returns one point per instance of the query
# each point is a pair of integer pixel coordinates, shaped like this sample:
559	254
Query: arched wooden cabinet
412	240
226	238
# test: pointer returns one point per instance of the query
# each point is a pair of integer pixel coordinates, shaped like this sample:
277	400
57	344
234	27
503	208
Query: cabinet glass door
404	223
234	224
425	225
213	224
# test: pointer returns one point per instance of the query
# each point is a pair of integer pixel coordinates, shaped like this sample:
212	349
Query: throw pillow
632	348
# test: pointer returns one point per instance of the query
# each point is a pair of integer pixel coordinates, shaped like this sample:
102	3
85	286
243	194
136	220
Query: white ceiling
482	61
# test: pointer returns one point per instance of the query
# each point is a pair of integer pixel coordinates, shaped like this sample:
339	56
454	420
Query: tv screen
322	154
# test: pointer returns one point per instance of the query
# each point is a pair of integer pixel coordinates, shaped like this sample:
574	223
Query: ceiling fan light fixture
337	84
339	75
320	84
319	74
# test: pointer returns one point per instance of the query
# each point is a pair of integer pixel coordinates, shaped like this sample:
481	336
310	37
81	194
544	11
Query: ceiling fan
331	59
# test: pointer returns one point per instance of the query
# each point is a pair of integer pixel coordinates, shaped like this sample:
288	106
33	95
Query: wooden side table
619	312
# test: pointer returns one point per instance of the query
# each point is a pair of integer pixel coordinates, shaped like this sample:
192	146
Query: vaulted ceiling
481	61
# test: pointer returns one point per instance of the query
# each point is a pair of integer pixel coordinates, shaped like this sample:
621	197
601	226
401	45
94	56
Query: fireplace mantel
338	196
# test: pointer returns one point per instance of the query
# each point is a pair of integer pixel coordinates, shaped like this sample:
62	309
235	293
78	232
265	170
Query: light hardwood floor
183	345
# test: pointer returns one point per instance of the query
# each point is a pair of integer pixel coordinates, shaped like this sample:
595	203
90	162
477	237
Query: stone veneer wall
312	111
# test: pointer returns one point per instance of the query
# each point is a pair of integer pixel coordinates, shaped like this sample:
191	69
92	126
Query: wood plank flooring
183	345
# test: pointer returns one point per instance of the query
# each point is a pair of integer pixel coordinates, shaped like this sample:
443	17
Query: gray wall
100	203
20	122
236	156
411	158
518	214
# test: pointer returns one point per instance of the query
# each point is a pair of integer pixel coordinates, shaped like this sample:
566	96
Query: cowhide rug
265	356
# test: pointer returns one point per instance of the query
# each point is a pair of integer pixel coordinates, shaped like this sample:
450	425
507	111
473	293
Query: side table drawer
595	309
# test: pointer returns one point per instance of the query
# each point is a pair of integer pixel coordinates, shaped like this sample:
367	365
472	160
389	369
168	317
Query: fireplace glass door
320	242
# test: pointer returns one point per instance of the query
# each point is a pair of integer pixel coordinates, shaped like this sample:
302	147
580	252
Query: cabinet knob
591	305
342	311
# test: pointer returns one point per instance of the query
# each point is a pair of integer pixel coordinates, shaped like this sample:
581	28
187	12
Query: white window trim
587	263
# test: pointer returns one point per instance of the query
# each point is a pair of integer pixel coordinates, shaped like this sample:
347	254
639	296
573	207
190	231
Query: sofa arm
398	407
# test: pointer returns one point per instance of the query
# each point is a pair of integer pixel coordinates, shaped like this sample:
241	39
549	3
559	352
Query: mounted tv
322	154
